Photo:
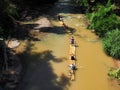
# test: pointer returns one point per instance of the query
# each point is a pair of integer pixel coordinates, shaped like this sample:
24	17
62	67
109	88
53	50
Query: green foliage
103	20
7	8
111	43
106	25
91	5
101	12
114	73
82	2
12	10
102	26
7	17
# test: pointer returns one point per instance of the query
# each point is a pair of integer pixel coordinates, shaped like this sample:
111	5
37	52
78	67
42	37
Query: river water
47	60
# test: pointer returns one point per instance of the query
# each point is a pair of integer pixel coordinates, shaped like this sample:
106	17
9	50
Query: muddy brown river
47	60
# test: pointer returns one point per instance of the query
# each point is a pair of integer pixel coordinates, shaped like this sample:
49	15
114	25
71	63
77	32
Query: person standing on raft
72	40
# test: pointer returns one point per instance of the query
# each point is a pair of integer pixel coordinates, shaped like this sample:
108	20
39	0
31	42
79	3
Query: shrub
114	73
107	24
103	20
111	43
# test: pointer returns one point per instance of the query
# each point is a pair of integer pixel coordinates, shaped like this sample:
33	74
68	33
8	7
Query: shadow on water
66	8
23	31
38	73
57	30
61	6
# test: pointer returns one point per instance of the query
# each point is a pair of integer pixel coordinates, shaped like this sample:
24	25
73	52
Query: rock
13	43
43	22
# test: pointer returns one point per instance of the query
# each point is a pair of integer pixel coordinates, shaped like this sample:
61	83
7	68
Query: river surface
46	60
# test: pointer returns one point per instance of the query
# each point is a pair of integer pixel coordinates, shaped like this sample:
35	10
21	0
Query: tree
7	17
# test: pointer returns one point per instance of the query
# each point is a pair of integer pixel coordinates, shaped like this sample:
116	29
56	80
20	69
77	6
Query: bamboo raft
72	52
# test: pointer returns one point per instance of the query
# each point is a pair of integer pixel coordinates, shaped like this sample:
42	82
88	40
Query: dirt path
46	61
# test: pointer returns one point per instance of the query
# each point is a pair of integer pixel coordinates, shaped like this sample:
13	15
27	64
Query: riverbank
117	62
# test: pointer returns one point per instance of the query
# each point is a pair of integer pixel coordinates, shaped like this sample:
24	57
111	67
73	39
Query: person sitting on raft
72	57
72	67
60	18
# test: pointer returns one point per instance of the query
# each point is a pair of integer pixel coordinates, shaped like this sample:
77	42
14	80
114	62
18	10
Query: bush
105	25
114	73
111	43
103	20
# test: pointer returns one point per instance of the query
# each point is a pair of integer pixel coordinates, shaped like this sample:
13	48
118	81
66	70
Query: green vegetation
114	73
105	23
82	2
102	22
7	17
103	19
111	43
90	5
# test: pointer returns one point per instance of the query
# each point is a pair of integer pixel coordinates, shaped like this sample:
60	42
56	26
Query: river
47	60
